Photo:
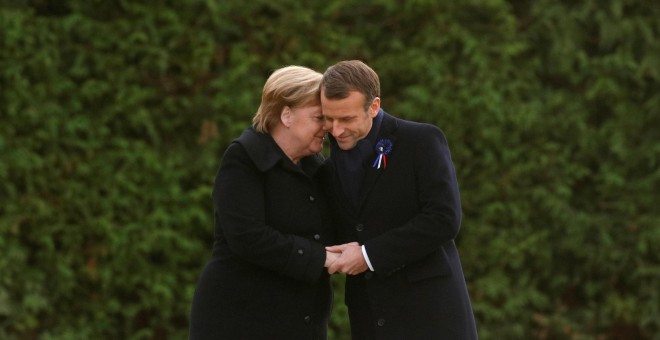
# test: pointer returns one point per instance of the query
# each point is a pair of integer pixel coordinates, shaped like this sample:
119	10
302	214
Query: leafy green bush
115	115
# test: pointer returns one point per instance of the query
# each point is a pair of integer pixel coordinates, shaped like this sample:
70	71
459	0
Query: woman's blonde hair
293	86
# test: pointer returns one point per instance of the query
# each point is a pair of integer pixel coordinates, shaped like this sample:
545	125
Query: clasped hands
345	258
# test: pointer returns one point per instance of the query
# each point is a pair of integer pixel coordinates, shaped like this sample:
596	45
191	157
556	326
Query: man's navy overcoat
408	217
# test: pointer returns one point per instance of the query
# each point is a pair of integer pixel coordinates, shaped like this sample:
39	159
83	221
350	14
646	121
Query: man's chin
346	146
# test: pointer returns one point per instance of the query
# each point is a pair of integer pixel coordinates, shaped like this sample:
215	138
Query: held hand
350	262
340	248
330	258
332	254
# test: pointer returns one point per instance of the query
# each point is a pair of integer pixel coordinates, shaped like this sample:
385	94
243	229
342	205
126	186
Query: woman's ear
286	116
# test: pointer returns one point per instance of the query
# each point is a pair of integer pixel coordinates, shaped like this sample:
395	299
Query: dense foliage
115	114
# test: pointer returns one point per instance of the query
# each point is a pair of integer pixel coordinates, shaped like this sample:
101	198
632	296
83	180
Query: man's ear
286	116
374	107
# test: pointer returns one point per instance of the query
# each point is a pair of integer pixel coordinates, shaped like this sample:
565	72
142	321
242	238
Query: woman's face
307	129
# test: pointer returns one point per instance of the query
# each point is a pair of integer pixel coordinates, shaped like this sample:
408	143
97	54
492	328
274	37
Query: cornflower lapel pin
383	148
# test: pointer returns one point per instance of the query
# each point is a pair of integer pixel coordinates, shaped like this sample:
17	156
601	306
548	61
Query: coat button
317	237
311	198
300	252
307	319
359	227
368	275
381	322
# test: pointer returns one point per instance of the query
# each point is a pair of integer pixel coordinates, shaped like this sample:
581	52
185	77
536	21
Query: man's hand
350	262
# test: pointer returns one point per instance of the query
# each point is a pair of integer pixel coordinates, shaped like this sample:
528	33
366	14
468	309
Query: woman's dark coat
266	278
407	217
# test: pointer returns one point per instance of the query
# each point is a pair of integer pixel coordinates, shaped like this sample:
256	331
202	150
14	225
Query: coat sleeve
439	217
238	197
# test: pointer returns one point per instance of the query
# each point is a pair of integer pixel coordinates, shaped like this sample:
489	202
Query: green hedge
115	114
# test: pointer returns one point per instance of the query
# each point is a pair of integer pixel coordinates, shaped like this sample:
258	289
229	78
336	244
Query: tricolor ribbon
383	148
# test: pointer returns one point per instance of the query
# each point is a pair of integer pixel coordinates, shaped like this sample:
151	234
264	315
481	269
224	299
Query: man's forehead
337	114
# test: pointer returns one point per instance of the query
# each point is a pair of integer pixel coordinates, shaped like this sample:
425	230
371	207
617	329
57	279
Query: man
398	207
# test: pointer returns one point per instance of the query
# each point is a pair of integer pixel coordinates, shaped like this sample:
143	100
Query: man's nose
332	127
336	129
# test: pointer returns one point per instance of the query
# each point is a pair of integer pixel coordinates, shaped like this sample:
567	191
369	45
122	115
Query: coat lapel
387	129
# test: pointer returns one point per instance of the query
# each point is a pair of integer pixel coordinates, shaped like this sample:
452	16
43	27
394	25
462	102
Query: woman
266	278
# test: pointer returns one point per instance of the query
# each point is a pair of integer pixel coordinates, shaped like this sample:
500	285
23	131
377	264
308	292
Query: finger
336	249
334	267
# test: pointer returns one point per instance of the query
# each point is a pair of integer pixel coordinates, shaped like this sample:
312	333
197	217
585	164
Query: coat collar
265	153
387	127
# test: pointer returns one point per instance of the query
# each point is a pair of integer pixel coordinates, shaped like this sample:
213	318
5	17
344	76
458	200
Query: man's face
346	119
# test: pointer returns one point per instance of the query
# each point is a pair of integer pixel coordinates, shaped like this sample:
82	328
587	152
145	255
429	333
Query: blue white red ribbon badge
383	148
